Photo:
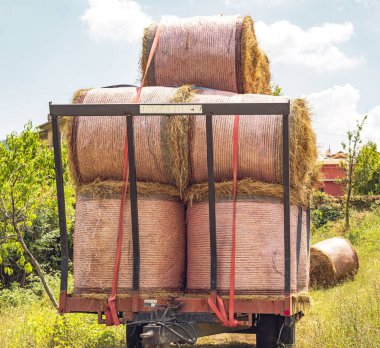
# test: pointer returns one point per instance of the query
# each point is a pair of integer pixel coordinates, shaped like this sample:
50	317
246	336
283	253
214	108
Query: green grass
27	319
345	316
348	315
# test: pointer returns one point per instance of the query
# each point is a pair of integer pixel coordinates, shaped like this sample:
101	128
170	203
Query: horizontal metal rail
169	109
75	303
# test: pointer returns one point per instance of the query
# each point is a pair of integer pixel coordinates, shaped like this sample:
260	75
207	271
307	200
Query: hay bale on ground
332	261
259	247
219	52
162	250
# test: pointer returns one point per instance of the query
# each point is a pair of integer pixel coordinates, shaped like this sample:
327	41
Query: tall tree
352	147
27	184
367	170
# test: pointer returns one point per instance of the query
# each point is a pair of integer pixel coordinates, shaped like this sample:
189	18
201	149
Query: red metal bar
132	305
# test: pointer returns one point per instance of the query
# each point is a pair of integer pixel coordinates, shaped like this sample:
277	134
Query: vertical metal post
308	230
286	183
61	202
211	202
299	237
134	205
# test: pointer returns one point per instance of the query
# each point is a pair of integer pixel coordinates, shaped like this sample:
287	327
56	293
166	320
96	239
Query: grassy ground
27	319
345	316
348	315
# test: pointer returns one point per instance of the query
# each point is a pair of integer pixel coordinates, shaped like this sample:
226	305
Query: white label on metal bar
170	109
150	303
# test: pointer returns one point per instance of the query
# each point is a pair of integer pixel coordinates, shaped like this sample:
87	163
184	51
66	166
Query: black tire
273	333
133	336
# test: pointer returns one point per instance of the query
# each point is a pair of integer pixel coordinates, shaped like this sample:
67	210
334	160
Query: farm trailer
159	321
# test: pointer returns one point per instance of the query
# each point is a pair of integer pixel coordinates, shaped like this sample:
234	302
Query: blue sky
327	51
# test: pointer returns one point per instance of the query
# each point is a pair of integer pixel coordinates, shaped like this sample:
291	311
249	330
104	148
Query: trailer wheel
133	336
273	331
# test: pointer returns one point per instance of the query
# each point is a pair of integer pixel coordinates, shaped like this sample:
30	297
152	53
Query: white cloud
315	47
237	3
335	110
116	20
367	3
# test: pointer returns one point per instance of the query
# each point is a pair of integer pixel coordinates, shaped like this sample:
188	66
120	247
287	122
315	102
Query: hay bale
172	150
332	261
96	143
162	250
260	142
219	52
259	247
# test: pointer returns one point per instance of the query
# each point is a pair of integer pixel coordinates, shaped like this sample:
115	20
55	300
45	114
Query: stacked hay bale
222	54
97	217
96	159
260	234
219	52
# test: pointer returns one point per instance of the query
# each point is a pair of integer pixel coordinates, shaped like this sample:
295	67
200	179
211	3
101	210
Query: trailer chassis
272	320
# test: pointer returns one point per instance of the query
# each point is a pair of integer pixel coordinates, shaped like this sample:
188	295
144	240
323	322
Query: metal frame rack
191	309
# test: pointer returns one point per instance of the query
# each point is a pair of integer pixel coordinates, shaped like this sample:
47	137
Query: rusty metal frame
131	306
78	304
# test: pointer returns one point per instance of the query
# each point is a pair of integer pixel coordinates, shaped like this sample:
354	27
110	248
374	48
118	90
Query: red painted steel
76	304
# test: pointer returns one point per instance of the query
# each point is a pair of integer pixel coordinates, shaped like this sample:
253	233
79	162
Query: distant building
332	173
46	132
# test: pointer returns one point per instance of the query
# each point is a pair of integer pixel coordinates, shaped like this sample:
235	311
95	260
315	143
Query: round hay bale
259	247
96	143
162	250
219	52
332	261
260	142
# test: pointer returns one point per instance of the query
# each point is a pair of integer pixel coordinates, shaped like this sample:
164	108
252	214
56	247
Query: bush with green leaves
367	170
325	208
28	207
27	319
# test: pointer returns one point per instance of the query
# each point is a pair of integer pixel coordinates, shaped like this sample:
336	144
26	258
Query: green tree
27	188
367	170
352	147
277	90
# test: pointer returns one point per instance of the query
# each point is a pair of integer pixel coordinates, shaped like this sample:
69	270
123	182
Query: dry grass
149	34
227	341
177	140
324	272
262	75
303	148
107	188
246	188
250	56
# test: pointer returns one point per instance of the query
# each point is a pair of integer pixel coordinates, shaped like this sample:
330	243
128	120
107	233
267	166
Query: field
348	315
342	317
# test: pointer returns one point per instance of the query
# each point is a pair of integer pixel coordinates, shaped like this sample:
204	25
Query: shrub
324	209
